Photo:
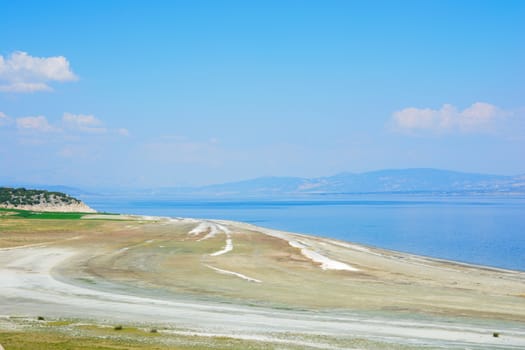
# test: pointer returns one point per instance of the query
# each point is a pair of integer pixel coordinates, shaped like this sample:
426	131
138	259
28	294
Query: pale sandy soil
265	285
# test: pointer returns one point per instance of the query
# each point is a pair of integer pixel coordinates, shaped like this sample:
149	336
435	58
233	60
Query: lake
478	230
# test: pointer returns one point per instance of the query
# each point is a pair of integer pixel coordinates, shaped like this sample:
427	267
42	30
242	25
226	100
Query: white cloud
83	122
70	127
479	114
4	119
123	132
38	123
21	72
479	117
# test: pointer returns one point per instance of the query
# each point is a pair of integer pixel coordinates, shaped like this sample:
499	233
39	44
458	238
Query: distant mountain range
382	181
402	181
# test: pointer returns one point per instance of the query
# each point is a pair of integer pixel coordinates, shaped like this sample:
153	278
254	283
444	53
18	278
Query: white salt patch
229	243
227	272
226	249
151	218
296	244
351	246
200	228
224	229
326	263
212	233
205	227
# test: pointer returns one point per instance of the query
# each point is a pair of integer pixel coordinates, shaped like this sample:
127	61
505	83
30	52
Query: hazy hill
382	181
405	181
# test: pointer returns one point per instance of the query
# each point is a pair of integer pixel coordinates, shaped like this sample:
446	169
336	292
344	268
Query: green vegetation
69	335
73	337
28	214
18	227
21	196
57	341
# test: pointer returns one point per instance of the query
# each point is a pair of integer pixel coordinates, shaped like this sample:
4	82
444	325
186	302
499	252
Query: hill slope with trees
39	200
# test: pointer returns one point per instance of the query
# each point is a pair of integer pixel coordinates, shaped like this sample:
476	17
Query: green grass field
27	214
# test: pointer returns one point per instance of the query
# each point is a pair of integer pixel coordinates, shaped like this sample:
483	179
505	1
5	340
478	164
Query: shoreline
397	252
152	271
123	216
483	232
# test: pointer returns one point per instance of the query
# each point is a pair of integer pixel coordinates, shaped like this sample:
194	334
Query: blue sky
129	93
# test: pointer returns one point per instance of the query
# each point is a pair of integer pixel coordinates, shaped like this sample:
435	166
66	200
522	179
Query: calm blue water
486	231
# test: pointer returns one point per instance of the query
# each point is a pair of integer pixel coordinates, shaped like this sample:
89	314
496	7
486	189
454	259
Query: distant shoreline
123	216
485	231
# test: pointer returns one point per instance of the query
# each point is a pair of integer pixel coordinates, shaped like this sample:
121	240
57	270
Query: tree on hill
23	196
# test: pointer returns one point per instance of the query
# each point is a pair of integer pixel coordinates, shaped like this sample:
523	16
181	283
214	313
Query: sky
178	93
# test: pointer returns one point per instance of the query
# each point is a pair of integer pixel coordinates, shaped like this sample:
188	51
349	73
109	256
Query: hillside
406	181
39	200
418	181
